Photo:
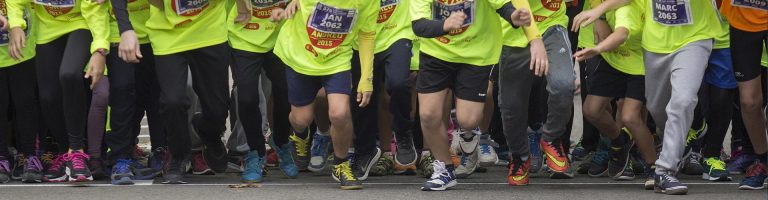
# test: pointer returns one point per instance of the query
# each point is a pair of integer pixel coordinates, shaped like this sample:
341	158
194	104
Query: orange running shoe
518	171
557	161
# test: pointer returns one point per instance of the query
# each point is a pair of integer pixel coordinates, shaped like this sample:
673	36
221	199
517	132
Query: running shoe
557	160
174	170
56	170
319	151
199	166
301	154
33	172
692	164
287	165
467	165
627	174
343	174
669	184
714	170
583	167
157	160
649	177
122	173
696	134
537	159
362	163
254	165
77	167
619	158
272	159
599	165
741	162
18	167
468	141
384	166
5	171
97	168
215	153
405	150
755	179
441	178
488	156
424	168
579	153
518	171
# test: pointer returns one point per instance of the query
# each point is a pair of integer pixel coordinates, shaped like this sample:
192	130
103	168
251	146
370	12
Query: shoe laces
57	162
516	165
485	149
122	165
669	178
756	169
4	166
715	163
558	148
301	145
33	163
694	158
692	135
78	159
346	170
439	170
47	157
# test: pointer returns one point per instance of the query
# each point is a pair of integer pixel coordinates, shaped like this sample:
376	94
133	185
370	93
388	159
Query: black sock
337	160
302	134
762	158
450	167
622	139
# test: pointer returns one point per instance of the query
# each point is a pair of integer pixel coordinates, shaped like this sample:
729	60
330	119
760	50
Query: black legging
63	96
17	88
716	104
246	69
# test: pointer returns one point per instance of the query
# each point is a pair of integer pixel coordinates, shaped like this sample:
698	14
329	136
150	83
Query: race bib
441	10
263	8
387	9
672	12
328	19
56	3
756	4
189	7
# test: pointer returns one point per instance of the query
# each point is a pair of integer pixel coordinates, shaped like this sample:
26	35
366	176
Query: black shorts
468	82
607	81
302	89
746	51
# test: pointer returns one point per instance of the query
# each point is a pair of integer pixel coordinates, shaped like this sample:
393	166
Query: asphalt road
486	186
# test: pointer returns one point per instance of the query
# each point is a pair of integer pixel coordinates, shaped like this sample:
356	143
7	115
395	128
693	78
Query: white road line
150	183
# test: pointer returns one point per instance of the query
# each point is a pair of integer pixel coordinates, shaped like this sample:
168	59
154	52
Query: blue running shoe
536	155
121	173
441	179
254	165
287	165
668	184
318	152
755	179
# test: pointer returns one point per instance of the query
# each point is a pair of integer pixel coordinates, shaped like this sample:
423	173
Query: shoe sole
57	180
415	156
205	172
747	187
706	176
445	187
250	181
648	186
122	181
356	187
624	178
174	182
373	161
679	191
601	174
79	178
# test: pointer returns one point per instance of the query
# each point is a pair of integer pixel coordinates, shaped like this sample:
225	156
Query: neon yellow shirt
60	17
394	24
317	40
764	60
415	55
476	44
586	36
671	26
723	34
628	57
545	13
185	25
138	11
29	50
260	34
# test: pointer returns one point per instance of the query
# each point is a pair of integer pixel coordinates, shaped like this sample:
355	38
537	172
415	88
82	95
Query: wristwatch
103	52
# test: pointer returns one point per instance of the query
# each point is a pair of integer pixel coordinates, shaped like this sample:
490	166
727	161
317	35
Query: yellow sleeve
366	40
15	9
532	31
97	17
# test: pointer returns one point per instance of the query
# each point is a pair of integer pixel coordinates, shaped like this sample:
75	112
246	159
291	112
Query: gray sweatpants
515	88
672	82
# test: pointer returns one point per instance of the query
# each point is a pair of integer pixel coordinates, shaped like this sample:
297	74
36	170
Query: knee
71	77
752	104
591	113
632	120
430	119
398	85
564	86
339	116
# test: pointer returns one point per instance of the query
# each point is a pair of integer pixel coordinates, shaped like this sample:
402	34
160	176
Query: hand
587	53
95	68
3	23
521	17
601	30
363	98
278	14
129	49
291	9
585	18
244	11
539	60
455	21
17	43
